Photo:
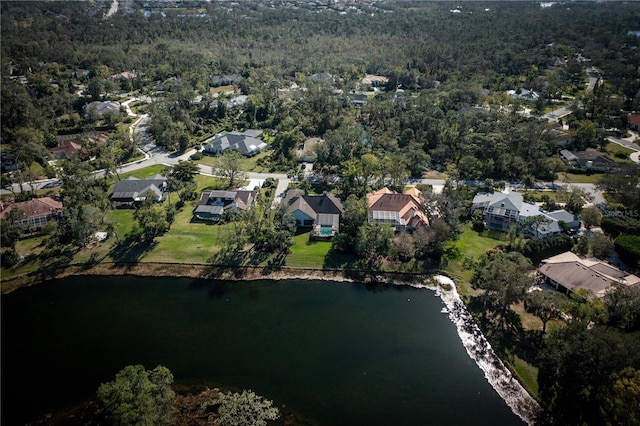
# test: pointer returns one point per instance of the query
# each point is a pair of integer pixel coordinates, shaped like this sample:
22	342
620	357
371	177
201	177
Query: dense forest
451	60
443	106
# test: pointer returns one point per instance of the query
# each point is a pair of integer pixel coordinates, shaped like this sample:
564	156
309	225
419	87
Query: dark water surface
335	353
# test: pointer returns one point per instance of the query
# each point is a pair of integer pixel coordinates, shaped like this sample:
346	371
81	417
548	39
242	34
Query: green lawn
527	374
579	178
147	172
248	164
306	253
471	244
614	149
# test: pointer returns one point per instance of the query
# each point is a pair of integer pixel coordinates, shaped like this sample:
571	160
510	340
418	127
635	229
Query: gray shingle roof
248	145
133	189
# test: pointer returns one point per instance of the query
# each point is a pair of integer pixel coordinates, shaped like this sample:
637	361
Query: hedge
628	247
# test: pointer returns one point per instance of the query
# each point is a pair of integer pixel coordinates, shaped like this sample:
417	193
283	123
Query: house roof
322	76
66	149
511	200
371	79
132	189
226	79
359	98
102	107
235	140
326	203
563	215
596	158
317	207
34	207
292	193
401	209
125	75
224	199
574	273
568	155
300	204
634	119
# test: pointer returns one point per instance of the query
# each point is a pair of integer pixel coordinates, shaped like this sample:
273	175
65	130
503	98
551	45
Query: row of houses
321	214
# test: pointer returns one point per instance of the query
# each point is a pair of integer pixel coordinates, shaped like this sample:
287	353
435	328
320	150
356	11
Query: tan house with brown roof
568	272
35	212
66	150
402	211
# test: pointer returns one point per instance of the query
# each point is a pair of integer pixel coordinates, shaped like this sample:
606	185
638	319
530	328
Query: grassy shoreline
210	272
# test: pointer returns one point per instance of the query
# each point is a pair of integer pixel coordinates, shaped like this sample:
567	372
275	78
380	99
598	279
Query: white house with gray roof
131	191
248	143
213	203
99	109
502	211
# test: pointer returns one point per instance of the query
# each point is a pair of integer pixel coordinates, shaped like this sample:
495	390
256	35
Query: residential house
100	109
502	212
525	94
132	191
213	204
374	80
308	153
226	80
125	75
321	213
9	161
248	143
568	272
590	160
322	76
67	149
572	221
36	213
402	211
294	92
634	120
561	136
359	99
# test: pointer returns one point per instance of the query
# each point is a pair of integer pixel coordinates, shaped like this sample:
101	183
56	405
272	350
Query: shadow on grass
337	260
274	264
58	260
504	331
493	234
131	249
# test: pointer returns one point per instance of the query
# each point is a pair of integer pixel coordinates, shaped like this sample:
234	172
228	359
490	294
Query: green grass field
471	244
249	164
308	254
579	178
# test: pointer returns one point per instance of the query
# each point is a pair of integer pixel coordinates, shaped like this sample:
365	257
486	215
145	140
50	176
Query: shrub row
628	247
618	225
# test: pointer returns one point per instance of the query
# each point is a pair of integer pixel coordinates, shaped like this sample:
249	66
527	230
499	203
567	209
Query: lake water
334	353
